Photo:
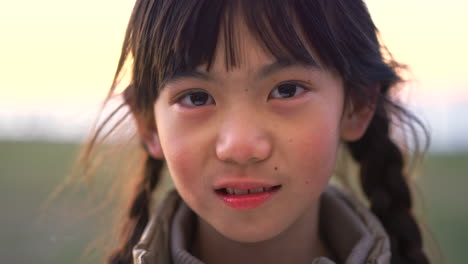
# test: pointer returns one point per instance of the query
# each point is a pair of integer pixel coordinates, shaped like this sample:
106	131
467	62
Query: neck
300	243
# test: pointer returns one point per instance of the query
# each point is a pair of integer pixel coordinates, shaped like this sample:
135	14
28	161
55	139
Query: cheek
174	143
183	153
180	164
184	171
180	159
316	154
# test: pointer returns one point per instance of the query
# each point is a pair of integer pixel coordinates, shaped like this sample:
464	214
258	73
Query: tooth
240	192
230	190
256	190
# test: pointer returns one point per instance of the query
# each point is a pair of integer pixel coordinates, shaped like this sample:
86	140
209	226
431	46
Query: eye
196	98
286	90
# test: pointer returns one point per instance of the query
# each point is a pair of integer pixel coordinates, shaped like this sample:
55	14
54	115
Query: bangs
200	25
167	38
273	26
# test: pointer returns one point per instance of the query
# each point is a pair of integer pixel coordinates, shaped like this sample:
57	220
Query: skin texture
247	131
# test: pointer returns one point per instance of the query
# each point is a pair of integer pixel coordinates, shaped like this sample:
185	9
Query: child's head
265	122
232	93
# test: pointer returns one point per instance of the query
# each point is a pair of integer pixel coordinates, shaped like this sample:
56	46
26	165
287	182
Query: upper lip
243	185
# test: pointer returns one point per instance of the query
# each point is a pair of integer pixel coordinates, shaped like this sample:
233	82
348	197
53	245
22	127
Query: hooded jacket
351	231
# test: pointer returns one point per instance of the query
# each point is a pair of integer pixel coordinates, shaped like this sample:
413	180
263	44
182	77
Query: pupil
287	90
199	98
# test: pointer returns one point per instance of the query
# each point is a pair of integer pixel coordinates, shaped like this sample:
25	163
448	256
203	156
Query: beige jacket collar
352	232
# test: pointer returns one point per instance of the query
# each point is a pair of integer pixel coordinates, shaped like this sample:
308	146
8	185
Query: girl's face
264	123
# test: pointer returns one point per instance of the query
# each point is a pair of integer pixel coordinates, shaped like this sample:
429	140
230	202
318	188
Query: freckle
246	90
290	140
307	182
276	168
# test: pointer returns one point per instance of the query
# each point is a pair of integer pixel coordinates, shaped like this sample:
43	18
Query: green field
30	171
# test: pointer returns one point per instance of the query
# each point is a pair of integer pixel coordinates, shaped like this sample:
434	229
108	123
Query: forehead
244	54
244	50
235	35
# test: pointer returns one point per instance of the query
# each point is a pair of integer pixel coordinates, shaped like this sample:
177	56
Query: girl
247	103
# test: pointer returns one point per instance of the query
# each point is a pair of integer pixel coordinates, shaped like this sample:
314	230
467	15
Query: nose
243	141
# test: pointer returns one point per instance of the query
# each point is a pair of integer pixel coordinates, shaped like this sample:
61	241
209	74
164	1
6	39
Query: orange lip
247	201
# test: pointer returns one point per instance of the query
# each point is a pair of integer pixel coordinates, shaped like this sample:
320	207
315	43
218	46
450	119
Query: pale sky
65	52
432	38
60	54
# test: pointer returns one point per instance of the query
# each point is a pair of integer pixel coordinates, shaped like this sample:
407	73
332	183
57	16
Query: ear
146	125
152	143
148	134
355	120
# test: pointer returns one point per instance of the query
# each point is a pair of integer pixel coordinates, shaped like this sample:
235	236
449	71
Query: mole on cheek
306	182
276	168
290	140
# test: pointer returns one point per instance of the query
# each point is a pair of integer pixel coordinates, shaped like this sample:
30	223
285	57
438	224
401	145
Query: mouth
243	198
259	190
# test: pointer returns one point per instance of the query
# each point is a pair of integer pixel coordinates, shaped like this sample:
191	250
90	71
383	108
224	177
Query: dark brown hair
167	37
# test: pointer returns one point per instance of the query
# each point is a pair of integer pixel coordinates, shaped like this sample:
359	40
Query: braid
138	213
384	184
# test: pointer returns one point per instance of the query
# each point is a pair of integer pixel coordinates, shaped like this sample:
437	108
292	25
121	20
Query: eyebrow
263	73
281	64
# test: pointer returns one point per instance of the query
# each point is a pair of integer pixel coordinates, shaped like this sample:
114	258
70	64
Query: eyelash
296	85
186	96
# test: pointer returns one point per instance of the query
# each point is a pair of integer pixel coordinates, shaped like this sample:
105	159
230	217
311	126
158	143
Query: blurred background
57	60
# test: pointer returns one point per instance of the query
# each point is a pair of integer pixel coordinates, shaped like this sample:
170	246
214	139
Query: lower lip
247	201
